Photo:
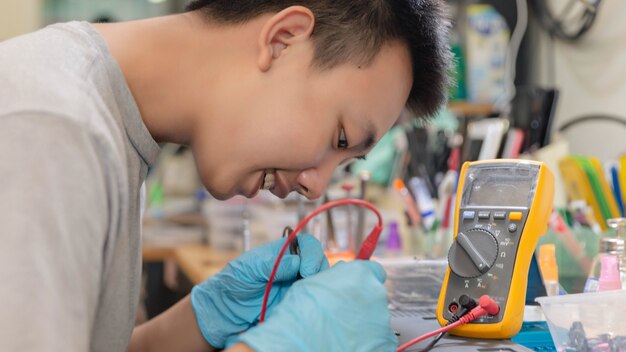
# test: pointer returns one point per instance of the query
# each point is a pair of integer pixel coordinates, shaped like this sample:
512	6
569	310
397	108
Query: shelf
469	109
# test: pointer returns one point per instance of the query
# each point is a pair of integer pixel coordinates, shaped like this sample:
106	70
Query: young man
269	94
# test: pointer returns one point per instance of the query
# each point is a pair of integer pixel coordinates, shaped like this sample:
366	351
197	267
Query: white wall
23	16
19	17
118	10
591	75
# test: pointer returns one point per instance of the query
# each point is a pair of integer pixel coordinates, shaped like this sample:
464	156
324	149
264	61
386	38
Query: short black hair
356	30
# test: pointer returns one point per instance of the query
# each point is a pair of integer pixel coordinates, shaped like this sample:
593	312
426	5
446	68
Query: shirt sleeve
53	226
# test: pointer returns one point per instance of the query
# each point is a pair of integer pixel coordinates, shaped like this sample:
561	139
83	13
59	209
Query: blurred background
536	79
588	71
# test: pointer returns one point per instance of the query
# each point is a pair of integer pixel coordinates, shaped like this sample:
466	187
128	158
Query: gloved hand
341	309
230	302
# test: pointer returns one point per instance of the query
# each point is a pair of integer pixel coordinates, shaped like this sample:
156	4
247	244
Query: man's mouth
269	180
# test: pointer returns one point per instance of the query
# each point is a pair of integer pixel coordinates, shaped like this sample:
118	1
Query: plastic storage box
587	321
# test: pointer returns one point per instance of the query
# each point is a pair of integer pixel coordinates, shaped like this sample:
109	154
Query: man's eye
342	143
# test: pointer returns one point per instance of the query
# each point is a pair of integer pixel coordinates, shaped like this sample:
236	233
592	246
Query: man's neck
170	69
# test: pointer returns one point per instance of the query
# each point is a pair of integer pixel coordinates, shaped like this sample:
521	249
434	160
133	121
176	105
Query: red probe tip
369	245
489	305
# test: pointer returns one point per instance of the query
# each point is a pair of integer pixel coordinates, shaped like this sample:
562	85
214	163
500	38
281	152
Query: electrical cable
486	306
567	29
599	117
434	342
467	304
567	9
503	104
367	248
430	334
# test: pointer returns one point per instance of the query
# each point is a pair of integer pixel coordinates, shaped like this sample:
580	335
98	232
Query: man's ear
288	27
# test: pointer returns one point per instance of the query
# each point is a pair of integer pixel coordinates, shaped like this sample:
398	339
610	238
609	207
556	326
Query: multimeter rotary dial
473	253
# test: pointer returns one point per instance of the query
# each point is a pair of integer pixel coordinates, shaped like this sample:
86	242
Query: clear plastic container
413	284
594	320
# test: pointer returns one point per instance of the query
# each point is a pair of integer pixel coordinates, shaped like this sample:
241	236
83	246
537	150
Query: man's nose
313	181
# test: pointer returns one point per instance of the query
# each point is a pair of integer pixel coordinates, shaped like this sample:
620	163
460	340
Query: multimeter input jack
464	305
453	307
486	305
467	302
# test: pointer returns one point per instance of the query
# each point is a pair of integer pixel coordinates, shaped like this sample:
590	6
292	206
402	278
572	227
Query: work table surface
199	262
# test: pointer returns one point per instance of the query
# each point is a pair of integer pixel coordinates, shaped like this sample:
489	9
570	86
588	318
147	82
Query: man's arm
228	303
175	329
240	347
53	226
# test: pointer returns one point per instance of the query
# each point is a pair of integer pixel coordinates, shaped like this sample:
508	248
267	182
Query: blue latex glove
230	302
341	309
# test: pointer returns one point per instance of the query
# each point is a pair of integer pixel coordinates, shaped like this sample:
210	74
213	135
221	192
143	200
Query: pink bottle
609	274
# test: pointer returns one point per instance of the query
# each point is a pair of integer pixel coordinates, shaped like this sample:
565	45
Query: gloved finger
376	268
339	264
287	269
325	264
312	257
276	245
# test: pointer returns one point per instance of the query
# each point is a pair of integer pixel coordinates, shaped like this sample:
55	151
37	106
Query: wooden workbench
199	262
152	254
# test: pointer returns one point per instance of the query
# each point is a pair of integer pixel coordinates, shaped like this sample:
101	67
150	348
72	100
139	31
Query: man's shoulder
47	130
48	71
58	74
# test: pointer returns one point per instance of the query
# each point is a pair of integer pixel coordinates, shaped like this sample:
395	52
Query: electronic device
484	138
533	110
502	208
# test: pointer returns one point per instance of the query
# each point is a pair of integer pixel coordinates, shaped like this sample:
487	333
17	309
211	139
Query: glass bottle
609	246
394	241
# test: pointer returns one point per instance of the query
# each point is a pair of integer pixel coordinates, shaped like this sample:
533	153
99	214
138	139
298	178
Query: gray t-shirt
74	154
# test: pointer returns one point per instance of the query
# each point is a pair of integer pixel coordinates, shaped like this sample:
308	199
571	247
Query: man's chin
223	197
220	195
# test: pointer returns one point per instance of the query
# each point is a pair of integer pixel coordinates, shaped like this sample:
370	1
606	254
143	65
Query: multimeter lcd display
499	187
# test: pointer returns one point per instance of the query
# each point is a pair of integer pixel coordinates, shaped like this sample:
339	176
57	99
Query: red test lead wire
486	305
367	248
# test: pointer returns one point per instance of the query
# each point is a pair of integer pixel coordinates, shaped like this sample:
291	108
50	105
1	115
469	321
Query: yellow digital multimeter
502	208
